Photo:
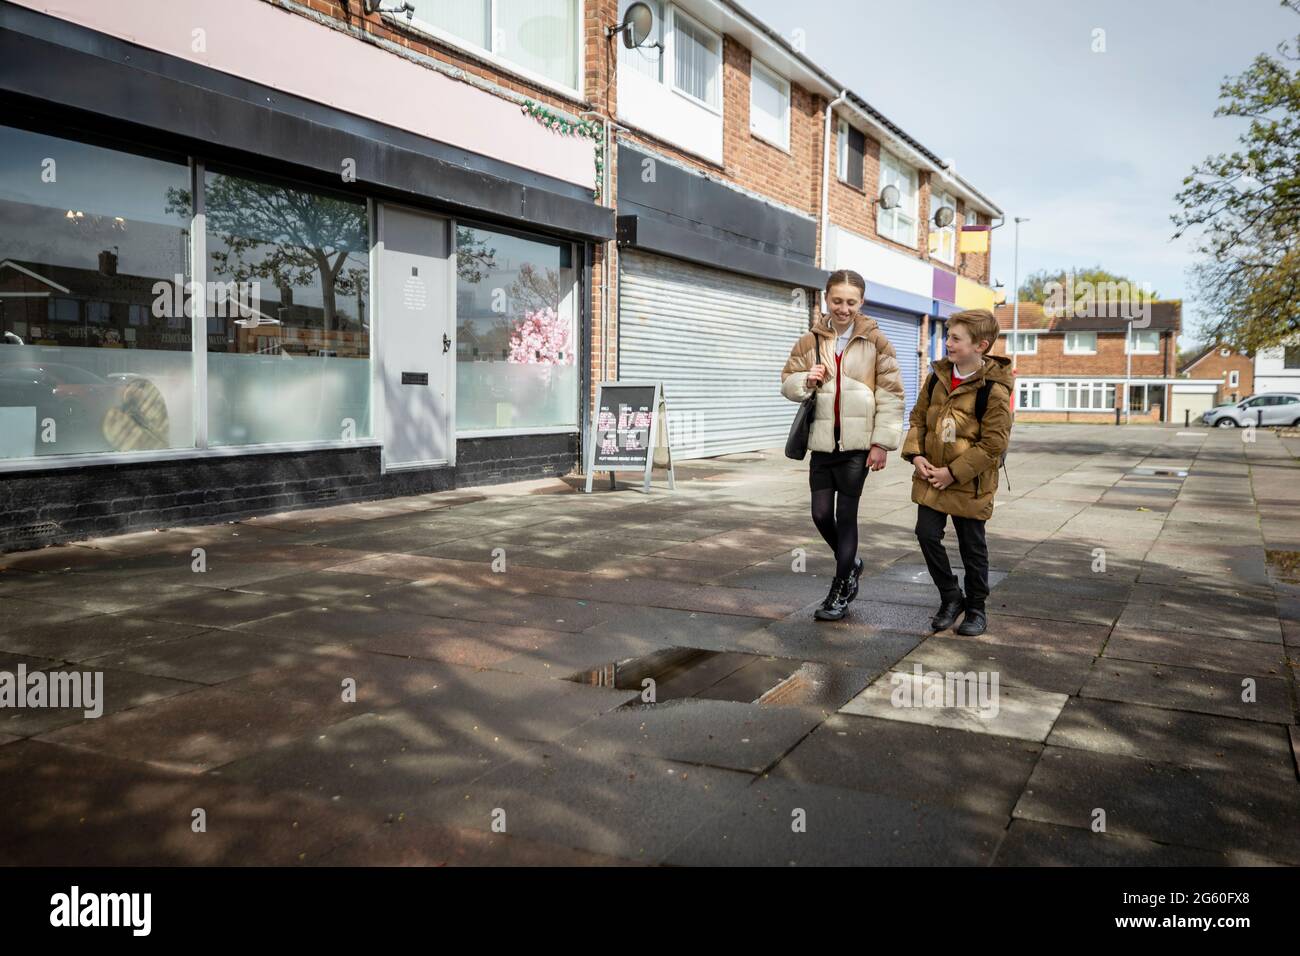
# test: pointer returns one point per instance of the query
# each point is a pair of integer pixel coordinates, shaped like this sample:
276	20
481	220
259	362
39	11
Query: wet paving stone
977	773
1185	688
1174	737
836	827
715	733
1207	809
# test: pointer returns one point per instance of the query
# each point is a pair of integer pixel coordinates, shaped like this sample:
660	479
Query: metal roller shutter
904	334
717	341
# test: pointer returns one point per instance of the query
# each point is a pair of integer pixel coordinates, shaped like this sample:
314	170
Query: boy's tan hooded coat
871	403
946	432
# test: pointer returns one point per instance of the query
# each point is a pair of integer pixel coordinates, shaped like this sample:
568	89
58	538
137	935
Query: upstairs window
899	223
696	56
1080	343
540	37
769	105
1143	342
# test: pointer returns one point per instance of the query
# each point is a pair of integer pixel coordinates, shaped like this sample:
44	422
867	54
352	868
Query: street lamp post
1015	308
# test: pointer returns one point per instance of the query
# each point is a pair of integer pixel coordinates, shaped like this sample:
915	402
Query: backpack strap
982	399
929	386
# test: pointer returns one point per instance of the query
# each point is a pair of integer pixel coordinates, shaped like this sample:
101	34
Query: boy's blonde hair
979	325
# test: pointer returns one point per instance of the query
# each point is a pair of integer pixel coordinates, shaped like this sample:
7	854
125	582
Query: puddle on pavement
680	673
1146	472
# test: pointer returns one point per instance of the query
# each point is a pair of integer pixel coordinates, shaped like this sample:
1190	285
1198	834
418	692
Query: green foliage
1245	207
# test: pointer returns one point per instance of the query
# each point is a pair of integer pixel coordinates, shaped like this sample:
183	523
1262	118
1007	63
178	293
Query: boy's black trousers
930	525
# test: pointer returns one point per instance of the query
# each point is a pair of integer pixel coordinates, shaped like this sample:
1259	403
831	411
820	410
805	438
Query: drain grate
40	529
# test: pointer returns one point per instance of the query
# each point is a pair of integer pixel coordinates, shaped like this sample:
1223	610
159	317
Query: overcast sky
1091	147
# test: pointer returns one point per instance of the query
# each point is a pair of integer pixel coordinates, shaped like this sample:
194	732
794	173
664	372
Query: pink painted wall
259	42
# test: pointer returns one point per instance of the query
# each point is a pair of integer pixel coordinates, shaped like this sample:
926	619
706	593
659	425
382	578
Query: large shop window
94	356
98	297
288	355
515	334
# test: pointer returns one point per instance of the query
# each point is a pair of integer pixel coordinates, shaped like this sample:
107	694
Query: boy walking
959	430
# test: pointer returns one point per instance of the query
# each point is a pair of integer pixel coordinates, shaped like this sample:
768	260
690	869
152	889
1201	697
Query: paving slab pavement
377	683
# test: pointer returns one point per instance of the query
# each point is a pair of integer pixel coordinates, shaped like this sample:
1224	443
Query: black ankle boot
947	613
836	602
853	579
974	623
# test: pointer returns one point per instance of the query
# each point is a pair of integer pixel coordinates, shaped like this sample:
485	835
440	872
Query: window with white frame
852	148
648	58
1031	395
899	223
842	160
1143	342
695	55
539	37
1022	343
1085	396
769	105
1233	378
1080	343
943	241
972	217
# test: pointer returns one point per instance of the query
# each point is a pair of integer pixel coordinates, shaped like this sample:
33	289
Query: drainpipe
826	175
607	201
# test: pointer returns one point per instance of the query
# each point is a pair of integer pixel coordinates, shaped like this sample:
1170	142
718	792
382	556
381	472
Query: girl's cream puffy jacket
871	387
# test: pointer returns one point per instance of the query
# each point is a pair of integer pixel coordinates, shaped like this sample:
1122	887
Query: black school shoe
836	603
858	567
946	616
973	623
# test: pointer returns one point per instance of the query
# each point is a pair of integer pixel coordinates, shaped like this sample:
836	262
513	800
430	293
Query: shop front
218	299
715	286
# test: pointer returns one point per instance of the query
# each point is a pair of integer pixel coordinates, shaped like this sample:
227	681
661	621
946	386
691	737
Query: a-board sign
629	431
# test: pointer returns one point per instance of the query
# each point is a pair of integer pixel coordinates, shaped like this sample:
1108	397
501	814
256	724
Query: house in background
1074	367
1231	369
1278	369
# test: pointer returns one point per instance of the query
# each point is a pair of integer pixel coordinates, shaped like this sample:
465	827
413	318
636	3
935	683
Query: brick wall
49	507
1218	366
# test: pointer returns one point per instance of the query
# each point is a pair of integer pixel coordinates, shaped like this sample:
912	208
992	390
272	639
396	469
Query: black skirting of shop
39	508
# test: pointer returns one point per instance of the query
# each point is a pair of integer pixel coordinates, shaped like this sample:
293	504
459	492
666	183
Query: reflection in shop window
515	334
85	364
288	330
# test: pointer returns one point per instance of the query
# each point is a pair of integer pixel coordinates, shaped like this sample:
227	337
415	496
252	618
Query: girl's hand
876	458
816	375
941	478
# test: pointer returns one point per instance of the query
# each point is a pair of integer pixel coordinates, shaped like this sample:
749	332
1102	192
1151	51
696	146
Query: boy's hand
876	458
941	478
922	466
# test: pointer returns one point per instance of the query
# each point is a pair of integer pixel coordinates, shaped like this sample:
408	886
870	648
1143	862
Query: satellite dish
944	215
889	197
638	20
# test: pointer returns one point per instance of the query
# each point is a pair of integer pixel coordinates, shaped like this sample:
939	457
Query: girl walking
850	364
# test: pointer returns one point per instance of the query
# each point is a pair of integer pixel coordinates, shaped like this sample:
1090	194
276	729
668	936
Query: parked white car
1272	408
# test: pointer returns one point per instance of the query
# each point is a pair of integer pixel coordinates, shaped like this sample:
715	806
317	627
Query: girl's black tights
838	525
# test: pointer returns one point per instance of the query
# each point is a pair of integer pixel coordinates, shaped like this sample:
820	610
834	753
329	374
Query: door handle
446	343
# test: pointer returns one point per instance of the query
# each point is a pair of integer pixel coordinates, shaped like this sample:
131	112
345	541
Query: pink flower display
541	338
